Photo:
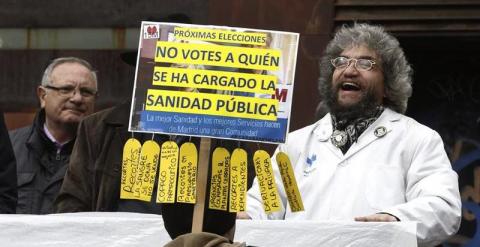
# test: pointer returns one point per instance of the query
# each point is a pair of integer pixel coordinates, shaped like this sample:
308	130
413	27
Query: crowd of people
374	164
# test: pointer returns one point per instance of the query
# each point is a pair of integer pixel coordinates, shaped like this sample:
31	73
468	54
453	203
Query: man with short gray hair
67	94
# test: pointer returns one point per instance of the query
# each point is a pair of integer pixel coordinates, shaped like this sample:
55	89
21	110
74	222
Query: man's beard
363	108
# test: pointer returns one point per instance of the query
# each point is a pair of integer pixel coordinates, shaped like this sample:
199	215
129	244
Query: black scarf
347	131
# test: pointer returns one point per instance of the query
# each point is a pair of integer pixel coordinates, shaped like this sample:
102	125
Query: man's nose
351	69
76	97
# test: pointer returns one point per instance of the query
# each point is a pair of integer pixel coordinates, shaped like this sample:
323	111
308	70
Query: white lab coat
405	173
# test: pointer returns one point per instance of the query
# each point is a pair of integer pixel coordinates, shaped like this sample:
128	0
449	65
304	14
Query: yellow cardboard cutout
289	182
266	180
238	180
146	171
187	178
131	155
219	179
167	177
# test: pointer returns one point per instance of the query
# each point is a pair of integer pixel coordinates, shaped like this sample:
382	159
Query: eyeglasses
69	91
360	63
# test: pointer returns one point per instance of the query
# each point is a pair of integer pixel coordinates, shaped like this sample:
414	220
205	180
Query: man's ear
41	93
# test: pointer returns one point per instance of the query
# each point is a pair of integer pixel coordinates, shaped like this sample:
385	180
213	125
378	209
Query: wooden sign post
202	178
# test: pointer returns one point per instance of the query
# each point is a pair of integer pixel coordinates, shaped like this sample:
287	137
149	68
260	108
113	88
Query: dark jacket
92	181
40	169
8	178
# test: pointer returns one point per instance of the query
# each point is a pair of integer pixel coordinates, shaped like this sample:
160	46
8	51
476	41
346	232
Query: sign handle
202	176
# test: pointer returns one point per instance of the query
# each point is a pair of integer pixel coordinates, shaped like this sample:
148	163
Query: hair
396	70
46	78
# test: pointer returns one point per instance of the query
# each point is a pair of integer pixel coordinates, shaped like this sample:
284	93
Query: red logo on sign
152	30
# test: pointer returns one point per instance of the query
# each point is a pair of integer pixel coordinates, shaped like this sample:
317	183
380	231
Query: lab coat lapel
386	119
323	131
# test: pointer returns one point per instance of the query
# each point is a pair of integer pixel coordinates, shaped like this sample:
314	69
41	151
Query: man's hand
380	217
243	216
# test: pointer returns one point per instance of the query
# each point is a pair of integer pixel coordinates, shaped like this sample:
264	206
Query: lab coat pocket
385	187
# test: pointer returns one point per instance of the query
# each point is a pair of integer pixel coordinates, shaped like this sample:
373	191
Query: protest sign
217	82
213	82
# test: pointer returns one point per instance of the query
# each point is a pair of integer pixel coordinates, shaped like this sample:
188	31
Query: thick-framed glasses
359	63
69	91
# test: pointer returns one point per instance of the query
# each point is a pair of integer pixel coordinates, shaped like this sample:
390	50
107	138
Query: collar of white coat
323	128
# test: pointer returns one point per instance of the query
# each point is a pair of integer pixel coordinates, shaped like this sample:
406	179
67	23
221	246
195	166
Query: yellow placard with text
219	179
167	177
146	171
238	180
266	180
187	177
131	155
289	182
212	81
217	55
216	80
211	104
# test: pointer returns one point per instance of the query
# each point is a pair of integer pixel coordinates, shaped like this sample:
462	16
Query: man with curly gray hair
365	160
395	68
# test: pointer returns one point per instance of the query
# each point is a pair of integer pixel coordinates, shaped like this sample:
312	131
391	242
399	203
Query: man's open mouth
350	86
